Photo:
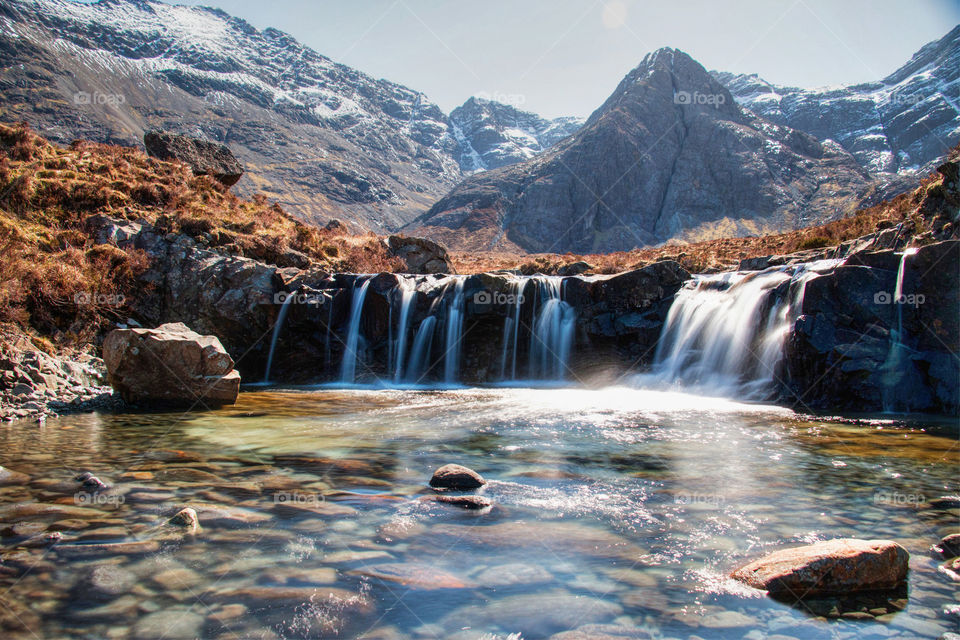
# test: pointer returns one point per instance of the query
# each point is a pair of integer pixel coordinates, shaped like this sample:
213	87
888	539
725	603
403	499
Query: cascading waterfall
348	368
407	298
454	333
718	335
551	339
893	369
284	309
511	332
420	354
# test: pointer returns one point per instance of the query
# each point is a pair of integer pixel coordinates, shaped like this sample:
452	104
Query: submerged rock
456	477
464	502
949	546
413	576
187	519
831	567
170	365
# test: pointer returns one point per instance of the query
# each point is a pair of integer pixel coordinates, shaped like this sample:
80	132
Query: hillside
58	278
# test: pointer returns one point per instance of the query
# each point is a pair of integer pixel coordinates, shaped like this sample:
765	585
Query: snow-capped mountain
896	125
492	134
322	138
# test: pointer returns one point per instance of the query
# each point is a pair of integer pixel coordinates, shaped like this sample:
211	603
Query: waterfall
284	309
894	371
420	354
454	333
348	368
407	298
511	331
725	332
551	339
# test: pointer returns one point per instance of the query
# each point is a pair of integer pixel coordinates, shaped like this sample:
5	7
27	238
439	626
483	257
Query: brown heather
48	260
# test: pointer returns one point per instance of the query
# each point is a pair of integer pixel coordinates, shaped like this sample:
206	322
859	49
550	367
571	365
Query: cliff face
669	155
898	124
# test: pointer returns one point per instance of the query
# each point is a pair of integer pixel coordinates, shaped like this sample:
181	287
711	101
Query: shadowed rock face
669	155
203	157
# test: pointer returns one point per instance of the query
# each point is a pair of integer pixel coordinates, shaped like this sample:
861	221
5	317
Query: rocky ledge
36	384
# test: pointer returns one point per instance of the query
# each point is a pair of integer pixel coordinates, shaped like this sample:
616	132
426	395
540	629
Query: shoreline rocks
831	567
170	366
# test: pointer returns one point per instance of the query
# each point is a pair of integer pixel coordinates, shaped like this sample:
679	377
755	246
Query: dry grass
48	261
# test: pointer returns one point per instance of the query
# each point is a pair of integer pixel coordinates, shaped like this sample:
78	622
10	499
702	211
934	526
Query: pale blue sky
564	57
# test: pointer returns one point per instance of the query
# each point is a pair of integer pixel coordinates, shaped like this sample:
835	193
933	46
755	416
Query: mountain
669	155
321	138
492	134
898	124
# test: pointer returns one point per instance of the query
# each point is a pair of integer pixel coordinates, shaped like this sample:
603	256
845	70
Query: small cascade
725	332
551	339
329	331
453	333
348	368
420	354
407	298
894	370
284	310
511	333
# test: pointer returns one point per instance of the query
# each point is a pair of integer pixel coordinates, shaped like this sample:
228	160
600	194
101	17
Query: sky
564	57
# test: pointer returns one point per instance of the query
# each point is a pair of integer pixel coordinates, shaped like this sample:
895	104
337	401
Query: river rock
949	546
826	568
413	576
8	476
603	632
538	614
456	477
464	502
513	574
203	157
187	519
105	582
169	624
170	365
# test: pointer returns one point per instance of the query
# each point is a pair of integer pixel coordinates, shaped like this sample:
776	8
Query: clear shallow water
616	506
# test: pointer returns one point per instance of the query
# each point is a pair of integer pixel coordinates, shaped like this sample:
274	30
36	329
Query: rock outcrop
669	155
832	567
858	347
204	158
170	366
420	255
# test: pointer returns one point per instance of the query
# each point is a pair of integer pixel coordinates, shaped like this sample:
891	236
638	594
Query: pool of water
617	512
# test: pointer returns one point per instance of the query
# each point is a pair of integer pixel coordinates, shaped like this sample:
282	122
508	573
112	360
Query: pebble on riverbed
456	477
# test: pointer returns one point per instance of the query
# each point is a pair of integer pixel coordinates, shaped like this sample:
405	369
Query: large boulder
203	157
420	255
170	365
831	567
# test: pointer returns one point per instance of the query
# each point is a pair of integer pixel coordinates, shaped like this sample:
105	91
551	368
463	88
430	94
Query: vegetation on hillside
52	273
